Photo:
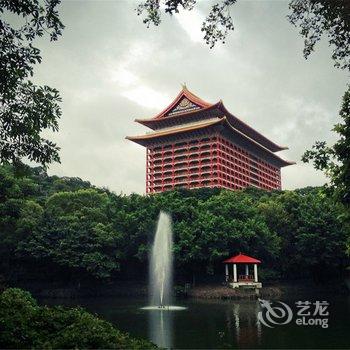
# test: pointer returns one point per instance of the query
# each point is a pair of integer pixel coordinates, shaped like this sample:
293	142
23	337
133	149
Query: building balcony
203	175
157	152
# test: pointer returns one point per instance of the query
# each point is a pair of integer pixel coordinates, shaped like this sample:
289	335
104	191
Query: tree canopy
314	18
335	160
26	109
26	325
65	229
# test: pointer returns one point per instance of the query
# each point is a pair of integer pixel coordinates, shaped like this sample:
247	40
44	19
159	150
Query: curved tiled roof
183	93
175	130
143	139
205	106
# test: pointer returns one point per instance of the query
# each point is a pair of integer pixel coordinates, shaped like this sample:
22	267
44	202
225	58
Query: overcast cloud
111	69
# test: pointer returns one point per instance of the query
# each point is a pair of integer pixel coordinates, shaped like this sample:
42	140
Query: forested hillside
65	229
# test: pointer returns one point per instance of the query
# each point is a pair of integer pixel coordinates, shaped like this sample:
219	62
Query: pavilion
242	274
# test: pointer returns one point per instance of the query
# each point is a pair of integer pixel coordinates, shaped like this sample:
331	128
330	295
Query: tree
335	160
26	325
208	229
25	108
314	18
19	214
312	231
77	234
215	27
67	230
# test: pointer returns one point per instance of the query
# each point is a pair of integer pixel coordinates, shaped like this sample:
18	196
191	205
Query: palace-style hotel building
195	144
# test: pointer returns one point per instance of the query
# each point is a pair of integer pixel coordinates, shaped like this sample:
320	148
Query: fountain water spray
161	265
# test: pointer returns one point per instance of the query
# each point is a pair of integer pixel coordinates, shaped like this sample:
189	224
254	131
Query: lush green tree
25	325
335	160
76	233
223	225
66	228
25	108
312	231
19	213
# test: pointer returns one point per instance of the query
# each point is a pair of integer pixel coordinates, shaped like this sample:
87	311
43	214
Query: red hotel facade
197	144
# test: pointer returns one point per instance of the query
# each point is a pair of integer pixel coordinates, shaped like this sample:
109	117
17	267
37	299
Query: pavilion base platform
248	279
255	285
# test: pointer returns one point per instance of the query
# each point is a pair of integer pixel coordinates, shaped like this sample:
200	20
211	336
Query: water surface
209	324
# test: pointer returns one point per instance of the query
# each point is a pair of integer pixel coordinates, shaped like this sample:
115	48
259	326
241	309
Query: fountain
160	284
161	266
161	262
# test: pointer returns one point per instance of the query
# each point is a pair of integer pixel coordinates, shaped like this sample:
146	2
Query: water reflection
215	324
240	324
161	328
243	319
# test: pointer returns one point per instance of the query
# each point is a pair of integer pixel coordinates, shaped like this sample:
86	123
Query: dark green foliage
216	26
315	18
335	160
73	232
25	325
312	231
76	233
26	109
218	23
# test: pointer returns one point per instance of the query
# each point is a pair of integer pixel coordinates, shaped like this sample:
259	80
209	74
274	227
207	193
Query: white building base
245	285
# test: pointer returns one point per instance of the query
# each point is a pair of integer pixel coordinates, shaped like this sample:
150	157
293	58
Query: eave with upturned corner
205	110
220	125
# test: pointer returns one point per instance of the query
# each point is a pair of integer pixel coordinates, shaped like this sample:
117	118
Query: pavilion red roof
241	259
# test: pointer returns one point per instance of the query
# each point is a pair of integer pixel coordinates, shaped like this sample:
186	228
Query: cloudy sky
111	69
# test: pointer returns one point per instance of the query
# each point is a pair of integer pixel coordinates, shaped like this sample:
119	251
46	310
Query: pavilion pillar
226	273
234	273
247	270
255	273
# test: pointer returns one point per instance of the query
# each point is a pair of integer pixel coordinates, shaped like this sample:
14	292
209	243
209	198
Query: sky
111	69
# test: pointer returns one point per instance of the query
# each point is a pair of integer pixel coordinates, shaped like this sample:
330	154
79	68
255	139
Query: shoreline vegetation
26	325
62	237
217	291
71	236
65	230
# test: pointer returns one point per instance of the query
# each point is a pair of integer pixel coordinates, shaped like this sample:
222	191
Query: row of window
205	183
168	165
192	162
232	176
248	158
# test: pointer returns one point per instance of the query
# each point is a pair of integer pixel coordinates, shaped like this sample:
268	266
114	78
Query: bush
24	324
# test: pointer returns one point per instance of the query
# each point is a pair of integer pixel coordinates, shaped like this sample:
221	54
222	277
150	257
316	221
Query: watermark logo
272	314
307	313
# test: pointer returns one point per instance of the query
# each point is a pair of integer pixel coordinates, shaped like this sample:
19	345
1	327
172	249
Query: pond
213	324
